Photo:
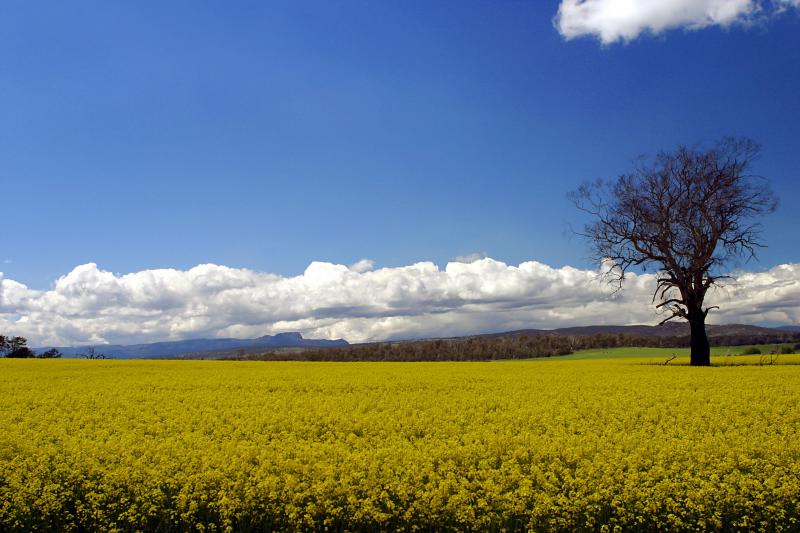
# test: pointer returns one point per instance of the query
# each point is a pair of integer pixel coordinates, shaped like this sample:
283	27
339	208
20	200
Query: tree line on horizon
504	347
17	348
477	348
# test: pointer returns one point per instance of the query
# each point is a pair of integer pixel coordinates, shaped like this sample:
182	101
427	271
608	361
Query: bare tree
91	353
688	213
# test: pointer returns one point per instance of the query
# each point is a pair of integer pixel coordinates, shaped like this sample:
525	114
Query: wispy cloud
329	300
469	258
624	20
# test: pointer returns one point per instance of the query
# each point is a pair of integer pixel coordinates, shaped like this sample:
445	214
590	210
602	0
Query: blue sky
268	135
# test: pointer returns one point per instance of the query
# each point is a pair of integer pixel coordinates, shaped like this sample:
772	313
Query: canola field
525	445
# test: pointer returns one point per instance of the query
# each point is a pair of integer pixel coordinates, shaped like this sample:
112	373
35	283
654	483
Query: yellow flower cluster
538	445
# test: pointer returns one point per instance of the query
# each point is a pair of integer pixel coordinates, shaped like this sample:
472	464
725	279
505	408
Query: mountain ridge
294	340
165	349
670	329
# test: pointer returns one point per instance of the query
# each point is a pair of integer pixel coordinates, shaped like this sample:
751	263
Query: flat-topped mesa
287	336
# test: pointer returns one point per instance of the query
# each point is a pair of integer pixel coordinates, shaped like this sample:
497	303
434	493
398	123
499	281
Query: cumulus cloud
362	265
624	20
357	302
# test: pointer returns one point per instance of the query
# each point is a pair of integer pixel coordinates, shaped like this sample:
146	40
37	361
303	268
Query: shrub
52	353
752	350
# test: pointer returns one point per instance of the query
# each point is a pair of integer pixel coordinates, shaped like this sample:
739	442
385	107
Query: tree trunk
701	351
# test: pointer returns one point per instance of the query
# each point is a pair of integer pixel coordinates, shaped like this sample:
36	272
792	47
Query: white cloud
90	305
362	265
624	20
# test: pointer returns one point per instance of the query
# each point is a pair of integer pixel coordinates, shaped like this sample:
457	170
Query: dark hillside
514	345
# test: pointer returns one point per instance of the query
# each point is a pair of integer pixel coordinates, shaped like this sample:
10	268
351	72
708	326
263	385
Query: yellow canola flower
506	446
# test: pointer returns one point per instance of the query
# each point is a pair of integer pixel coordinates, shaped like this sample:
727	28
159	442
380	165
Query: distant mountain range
198	346
216	348
670	329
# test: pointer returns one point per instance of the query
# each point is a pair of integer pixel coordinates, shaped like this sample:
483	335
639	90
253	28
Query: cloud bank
356	302
624	20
